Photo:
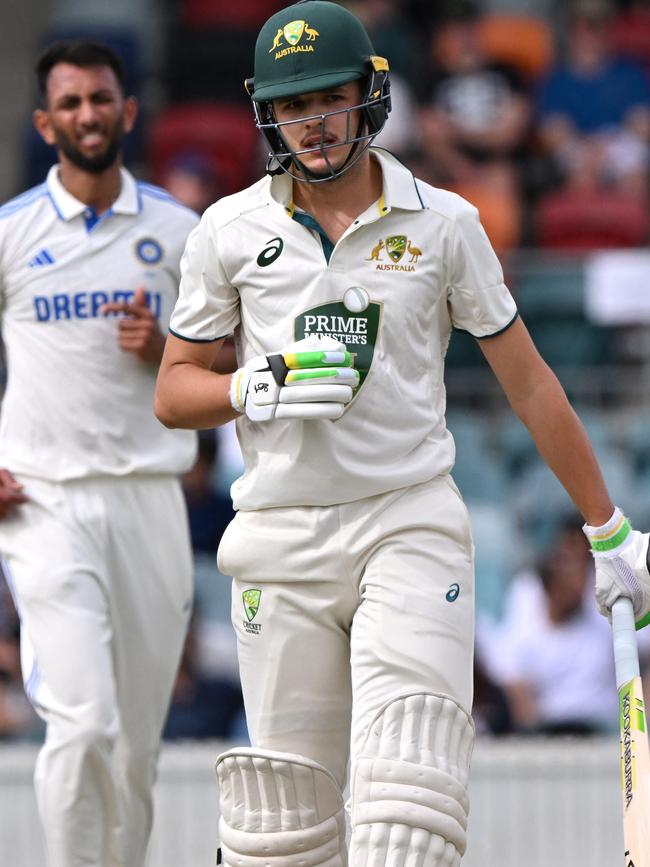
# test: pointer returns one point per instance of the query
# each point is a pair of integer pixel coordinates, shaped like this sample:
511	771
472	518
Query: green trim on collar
308	221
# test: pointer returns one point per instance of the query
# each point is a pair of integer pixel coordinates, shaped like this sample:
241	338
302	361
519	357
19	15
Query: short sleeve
479	301
208	306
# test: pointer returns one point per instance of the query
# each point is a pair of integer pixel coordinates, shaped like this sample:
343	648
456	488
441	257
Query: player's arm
11	494
538	399
189	393
313	378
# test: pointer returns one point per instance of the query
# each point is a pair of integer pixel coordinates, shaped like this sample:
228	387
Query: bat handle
626	654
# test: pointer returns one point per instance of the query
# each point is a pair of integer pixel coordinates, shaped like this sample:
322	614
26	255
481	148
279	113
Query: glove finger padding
622	569
313	378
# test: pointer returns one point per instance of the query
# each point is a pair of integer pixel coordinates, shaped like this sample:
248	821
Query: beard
97	164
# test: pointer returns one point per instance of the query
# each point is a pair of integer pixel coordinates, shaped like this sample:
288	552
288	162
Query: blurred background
539	114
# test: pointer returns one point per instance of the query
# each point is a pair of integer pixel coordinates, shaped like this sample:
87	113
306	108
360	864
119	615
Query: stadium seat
591	220
571	342
208	63
522	41
631	35
549	287
223	133
245	14
499	212
500	552
464	351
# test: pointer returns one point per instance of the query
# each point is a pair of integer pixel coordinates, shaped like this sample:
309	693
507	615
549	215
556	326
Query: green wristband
612	542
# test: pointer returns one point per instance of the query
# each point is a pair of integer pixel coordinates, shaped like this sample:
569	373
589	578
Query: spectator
202	706
552	653
209	511
18	720
475	113
474	122
192	180
594	108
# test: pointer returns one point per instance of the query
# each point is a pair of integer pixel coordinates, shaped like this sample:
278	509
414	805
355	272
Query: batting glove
312	378
621	556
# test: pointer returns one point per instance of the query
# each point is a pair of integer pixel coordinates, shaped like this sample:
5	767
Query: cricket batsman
341	276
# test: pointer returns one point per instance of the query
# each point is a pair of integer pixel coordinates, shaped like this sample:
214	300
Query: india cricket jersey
76	404
413	266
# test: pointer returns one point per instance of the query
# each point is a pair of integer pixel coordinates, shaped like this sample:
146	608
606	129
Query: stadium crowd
539	114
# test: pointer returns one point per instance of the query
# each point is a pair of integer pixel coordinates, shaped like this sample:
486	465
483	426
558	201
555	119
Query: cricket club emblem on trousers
251	600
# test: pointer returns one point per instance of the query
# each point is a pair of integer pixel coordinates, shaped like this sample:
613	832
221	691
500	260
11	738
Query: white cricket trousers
101	573
340	610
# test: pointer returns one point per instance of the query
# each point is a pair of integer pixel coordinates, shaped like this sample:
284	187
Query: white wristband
235	390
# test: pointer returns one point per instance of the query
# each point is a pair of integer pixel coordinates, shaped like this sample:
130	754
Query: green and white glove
313	378
622	567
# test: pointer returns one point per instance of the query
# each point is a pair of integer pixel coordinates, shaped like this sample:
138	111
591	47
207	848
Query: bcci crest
287	38
395	246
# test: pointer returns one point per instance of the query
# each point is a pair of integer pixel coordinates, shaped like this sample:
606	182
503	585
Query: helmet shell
309	46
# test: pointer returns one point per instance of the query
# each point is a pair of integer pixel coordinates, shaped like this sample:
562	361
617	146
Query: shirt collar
399	186
68	207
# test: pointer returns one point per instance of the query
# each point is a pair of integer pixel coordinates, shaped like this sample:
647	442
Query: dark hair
78	52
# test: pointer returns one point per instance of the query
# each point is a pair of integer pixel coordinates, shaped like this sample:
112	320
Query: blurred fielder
93	522
342	276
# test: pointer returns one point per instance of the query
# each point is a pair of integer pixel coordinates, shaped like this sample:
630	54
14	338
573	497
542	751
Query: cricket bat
635	754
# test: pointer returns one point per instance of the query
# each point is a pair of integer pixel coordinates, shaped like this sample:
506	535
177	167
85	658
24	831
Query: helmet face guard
373	110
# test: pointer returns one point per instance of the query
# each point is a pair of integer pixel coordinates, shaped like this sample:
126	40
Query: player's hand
622	567
138	331
312	378
11	494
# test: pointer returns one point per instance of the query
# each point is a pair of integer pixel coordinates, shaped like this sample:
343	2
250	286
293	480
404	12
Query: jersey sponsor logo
395	247
149	251
288	38
43	257
453	593
271	252
251	599
354	321
87	305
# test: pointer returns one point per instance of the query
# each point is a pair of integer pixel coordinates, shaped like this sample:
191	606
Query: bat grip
626	654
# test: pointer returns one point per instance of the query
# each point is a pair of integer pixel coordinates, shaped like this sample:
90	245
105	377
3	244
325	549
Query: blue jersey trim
162	196
23	200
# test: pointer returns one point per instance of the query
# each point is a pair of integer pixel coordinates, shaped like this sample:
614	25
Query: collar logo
395	247
288	38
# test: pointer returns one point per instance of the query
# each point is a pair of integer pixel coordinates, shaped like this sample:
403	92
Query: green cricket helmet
311	46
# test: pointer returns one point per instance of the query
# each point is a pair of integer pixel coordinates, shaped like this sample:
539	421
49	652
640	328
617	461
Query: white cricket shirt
414	265
76	405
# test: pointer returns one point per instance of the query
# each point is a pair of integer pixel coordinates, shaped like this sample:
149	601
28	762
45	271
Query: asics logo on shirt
271	252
